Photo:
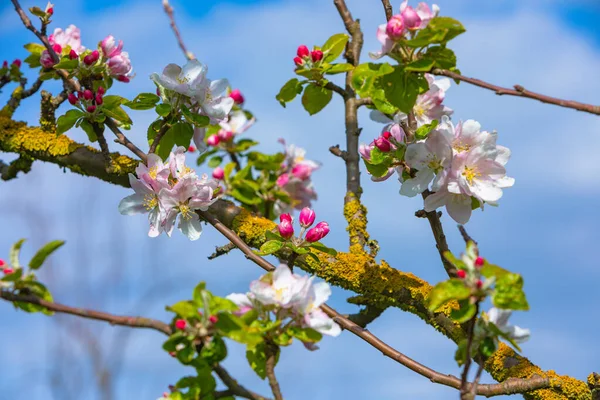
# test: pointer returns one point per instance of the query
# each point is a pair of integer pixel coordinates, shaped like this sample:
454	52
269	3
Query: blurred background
546	227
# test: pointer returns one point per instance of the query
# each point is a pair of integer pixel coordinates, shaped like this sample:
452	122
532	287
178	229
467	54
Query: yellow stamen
150	202
470	174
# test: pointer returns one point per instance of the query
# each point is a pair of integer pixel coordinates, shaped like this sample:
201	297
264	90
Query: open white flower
283	290
313	317
500	318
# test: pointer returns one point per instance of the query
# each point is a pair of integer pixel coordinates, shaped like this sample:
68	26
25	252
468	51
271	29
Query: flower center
419	110
150	201
153	172
460	146
186	211
434	164
470	174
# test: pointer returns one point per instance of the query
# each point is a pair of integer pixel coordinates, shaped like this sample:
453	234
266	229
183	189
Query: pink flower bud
87	94
218	173
213	319
302	171
479	284
395	27
318	232
91	109
8	271
191	149
57	48
49	9
101	90
17	62
298	61
383	144
283	180
479	261
180	324
307	217
46	59
110	48
386	135
461	273
303	51
98	99
123	78
225	136
91	58
5	64
72	98
411	18
172	354
365	151
236	95
286	228
213	140
2	263
285	217
316	55
73	54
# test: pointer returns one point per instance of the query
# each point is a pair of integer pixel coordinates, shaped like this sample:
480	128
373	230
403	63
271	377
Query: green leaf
439	31
377	170
198	120
315	98
334	46
497	332
113	101
289	91
214	351
117	113
185	309
460	356
487	347
234	328
13	277
163	109
215	161
13	255
33	60
379	157
490	270
402	88
143	101
89	130
182	133
270	247
323	248
38	12
422	132
509	293
257	359
339	68
197	294
270	235
66	121
35	48
205	155
43	253
308	335
422	65
444	292
466	312
38	290
67	64
243	145
364	76
442	56
457	262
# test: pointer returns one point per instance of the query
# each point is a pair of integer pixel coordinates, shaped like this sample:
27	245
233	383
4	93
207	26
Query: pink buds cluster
5	269
91	58
305	56
87	99
307	218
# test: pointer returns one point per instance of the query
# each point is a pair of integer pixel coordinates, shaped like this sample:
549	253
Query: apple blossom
49	8
225	135
298	61
46	59
120	66
213	140
72	98
110	47
383	144
73	54
286	227
418	18
17	62
303	51
309	307
237	97
237	122
243	301
500	318
395	27
70	37
281	288
458	206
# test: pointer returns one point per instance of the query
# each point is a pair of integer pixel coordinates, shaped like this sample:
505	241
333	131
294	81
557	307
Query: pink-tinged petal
459	208
133	204
418	184
436	200
403	5
321	322
486	190
503	155
169	222
154	218
454	187
190	226
417	156
505	182
322	291
199	134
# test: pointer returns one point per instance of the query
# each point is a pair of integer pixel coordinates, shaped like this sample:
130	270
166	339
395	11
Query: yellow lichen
505	364
18	138
356	216
252	228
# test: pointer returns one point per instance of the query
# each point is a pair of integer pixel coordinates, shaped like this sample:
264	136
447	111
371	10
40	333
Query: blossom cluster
463	164
169	190
295	178
408	22
289	296
236	123
306	58
109	57
306	218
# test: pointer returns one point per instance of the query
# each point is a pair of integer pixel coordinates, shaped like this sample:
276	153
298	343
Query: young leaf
402	88
143	101
305	334
315	98
35	48
163	109
182	133
257	359
422	132
289	91
43	253
13	255
67	64
339	68
422	65
184	309
509	293
215	161
444	292
66	122
270	247
466	312
334	46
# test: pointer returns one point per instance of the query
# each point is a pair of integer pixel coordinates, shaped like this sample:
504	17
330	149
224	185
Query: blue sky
544	228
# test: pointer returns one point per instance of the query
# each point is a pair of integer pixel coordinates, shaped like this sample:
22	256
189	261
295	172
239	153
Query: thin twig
438	233
133	322
509	386
336	151
163	129
520	91
477	379
221	250
234	386
169	10
332	86
464	379
122	139
271	351
103	145
466	237
389	11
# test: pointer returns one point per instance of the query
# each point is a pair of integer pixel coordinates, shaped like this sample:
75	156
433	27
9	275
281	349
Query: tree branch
520	91
169	10
438	233
132	322
271	351
234	386
389	11
122	139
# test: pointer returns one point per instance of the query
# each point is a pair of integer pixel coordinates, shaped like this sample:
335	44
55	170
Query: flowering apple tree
251	197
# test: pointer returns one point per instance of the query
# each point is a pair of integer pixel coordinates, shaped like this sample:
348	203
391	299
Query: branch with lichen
359	272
